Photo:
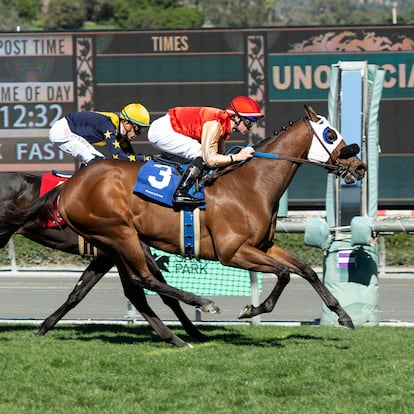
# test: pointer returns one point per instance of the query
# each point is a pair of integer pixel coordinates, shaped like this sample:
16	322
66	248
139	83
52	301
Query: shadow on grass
133	334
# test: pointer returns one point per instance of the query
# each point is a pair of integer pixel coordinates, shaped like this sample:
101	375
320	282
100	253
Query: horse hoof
246	312
346	323
181	344
210	308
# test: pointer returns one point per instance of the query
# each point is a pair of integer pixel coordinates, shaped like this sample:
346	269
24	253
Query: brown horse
237	227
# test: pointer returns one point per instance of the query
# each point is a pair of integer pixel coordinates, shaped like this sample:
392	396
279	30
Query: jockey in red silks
198	134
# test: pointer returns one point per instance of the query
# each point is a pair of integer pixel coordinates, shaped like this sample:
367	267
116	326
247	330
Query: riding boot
181	195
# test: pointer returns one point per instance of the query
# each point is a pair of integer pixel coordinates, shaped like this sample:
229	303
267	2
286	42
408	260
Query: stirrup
187	199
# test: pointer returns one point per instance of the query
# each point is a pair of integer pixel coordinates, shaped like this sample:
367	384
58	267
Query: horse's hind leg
135	293
174	304
89	278
131	258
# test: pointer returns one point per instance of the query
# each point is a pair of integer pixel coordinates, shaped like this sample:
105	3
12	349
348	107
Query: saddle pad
159	181
48	182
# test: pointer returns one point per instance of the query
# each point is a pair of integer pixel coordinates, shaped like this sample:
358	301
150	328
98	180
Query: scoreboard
45	75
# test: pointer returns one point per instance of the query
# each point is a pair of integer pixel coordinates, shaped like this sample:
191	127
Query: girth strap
190	233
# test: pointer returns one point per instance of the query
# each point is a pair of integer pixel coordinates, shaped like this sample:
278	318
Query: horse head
329	146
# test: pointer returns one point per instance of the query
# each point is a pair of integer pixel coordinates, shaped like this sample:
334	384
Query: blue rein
255	154
265	155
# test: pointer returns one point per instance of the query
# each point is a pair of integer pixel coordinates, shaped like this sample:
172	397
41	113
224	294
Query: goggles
248	121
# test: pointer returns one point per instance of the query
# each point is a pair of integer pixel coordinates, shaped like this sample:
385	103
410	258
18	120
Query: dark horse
19	190
237	227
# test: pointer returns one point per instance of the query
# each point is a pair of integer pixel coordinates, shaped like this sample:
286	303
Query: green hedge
31	254
398	247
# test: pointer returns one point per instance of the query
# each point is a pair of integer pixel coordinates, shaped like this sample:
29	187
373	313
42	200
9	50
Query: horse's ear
310	113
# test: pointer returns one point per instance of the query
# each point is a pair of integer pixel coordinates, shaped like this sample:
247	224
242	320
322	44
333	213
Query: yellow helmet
136	113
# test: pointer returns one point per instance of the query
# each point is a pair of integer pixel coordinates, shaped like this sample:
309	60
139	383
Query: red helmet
244	106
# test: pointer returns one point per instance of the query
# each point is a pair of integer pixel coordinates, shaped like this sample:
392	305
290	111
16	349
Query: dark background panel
395	186
396	126
211	68
308	188
280	114
36	69
159	98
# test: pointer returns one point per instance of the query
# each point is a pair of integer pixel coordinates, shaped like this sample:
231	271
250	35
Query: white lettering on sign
298	77
301	77
36	92
37	152
401	75
36	46
170	43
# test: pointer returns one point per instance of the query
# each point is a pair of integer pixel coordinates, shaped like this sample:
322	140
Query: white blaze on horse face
322	146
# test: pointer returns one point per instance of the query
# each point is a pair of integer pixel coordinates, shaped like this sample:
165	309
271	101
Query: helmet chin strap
236	125
121	127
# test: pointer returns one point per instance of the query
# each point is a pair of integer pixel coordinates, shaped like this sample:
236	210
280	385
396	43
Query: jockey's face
131	129
240	125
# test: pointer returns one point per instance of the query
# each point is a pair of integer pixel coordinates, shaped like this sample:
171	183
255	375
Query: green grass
245	369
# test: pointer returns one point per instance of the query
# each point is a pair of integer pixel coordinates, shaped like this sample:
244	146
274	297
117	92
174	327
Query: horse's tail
40	210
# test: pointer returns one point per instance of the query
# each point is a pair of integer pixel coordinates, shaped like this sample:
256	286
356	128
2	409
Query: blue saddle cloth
158	181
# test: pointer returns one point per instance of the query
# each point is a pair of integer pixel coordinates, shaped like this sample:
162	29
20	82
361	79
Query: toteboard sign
301	76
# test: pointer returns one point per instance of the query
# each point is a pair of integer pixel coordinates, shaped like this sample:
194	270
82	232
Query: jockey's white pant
162	136
71	143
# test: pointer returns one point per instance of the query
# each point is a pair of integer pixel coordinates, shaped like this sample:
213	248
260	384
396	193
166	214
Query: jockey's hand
244	154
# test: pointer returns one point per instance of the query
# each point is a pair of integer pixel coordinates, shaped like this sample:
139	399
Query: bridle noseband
334	166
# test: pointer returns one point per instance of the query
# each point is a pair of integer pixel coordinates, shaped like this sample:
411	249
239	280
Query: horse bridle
334	166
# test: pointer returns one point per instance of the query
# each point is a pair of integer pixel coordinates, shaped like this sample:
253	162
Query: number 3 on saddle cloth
158	181
49	181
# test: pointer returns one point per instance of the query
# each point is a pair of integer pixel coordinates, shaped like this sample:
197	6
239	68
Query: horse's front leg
173	304
304	270
281	263
250	258
283	278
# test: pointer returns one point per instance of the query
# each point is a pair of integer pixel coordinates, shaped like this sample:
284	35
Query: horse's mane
276	134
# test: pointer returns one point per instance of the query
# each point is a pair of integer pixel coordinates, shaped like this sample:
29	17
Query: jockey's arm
210	145
120	150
